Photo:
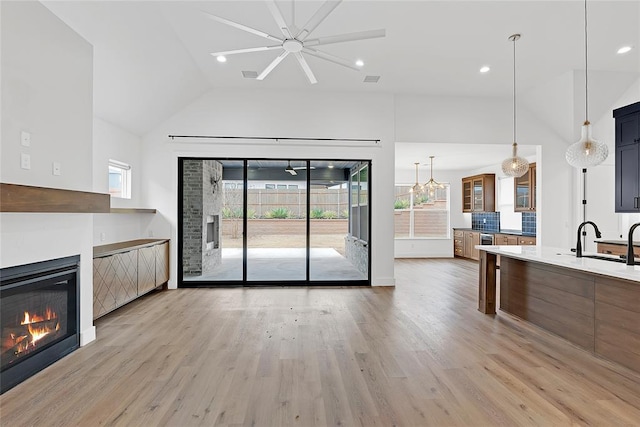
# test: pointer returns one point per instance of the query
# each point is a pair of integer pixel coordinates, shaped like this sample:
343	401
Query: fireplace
39	317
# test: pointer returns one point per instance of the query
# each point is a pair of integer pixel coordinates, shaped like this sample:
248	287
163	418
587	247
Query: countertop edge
129	245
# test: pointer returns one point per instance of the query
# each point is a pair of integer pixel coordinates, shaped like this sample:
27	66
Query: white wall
46	82
284	114
461	120
115	143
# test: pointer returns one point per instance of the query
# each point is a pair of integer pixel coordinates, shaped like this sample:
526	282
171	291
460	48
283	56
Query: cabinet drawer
526	240
458	233
608	248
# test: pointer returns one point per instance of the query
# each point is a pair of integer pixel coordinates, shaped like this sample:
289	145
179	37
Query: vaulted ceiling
153	57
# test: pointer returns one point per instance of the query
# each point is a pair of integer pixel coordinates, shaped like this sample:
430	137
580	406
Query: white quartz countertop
567	259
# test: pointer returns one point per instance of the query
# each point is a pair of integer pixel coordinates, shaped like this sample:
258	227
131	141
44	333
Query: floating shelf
133	211
27	198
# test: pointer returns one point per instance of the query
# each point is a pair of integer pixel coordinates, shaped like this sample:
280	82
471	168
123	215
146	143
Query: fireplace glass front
39	317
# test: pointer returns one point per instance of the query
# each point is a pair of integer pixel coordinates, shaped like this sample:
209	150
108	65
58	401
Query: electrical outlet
103	237
56	169
484	220
25	161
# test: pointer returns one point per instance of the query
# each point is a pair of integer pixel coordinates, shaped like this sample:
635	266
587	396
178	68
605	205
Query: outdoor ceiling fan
294	170
295	40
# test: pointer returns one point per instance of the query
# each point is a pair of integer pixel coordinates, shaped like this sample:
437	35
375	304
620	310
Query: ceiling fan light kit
295	42
587	151
514	166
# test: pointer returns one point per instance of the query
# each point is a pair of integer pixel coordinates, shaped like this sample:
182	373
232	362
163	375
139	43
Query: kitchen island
592	303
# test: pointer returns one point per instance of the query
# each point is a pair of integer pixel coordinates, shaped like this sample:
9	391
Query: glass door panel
212	218
276	220
329	222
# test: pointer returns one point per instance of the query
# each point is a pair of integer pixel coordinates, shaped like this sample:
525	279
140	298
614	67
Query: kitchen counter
511	232
114	248
567	259
591	303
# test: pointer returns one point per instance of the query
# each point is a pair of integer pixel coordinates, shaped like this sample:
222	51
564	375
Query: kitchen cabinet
458	243
526	240
479	193
464	244
524	191
627	152
124	271
617	249
505	239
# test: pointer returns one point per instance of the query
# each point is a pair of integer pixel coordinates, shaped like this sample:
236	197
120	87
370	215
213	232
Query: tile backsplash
528	223
490	221
486	221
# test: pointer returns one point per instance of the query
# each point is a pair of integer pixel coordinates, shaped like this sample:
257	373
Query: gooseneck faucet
579	243
630	256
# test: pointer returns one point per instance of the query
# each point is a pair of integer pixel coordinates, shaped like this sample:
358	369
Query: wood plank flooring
417	355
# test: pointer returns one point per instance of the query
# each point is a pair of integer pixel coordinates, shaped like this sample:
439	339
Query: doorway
273	222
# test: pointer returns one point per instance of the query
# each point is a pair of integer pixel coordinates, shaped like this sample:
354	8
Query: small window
292	186
119	179
270	186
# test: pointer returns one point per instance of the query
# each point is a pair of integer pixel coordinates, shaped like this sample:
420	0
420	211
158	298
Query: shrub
401	204
329	215
278	213
228	213
317	213
344	213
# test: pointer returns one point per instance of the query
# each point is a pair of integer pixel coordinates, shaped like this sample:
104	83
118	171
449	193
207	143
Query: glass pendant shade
432	185
515	166
586	152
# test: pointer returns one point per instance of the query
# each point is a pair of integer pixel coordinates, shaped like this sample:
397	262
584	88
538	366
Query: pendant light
514	166
586	152
432	184
417	188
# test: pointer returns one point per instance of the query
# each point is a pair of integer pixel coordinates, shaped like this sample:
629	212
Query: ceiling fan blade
317	18
251	49
243	27
277	15
341	38
330	58
305	67
273	65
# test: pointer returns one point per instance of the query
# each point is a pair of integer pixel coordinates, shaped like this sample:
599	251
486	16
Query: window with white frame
421	215
119	179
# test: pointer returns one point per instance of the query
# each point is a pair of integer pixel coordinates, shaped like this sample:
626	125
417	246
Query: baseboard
384	281
87	336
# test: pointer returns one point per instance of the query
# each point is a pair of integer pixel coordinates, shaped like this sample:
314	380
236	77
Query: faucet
579	243
630	255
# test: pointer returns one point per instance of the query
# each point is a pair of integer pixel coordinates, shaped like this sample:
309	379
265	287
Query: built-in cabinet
616	249
124	271
524	191
627	160
465	241
464	244
479	193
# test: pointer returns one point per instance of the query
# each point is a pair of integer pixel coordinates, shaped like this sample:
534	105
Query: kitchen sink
605	258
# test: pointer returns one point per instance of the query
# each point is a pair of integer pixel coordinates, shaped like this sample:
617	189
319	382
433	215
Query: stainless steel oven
486	239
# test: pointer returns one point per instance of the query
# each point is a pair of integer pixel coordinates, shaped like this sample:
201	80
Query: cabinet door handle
636	140
635	202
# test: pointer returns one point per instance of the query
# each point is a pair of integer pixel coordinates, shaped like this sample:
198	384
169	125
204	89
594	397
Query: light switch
57	169
25	161
25	139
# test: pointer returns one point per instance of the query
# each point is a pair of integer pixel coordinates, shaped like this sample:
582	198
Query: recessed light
221	58
360	63
330	166
624	49
485	69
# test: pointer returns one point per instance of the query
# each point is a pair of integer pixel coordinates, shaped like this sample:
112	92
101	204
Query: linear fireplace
39	317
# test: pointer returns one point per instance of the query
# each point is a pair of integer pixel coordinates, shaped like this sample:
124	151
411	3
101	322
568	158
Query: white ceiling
153	57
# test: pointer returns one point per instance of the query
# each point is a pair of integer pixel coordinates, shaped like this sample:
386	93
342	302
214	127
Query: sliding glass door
273	222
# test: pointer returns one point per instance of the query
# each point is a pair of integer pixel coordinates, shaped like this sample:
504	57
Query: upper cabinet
628	158
524	193
479	193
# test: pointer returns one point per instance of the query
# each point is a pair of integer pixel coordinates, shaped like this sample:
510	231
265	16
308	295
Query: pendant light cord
586	76
514	89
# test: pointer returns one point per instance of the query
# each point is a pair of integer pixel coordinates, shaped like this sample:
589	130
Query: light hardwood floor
417	355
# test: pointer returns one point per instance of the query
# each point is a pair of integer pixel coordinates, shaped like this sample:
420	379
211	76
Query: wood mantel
26	198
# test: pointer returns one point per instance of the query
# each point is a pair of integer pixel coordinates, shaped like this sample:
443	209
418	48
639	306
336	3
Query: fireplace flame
38	326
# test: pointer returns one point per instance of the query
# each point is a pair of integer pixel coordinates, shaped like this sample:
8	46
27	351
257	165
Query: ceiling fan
295	40
294	170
